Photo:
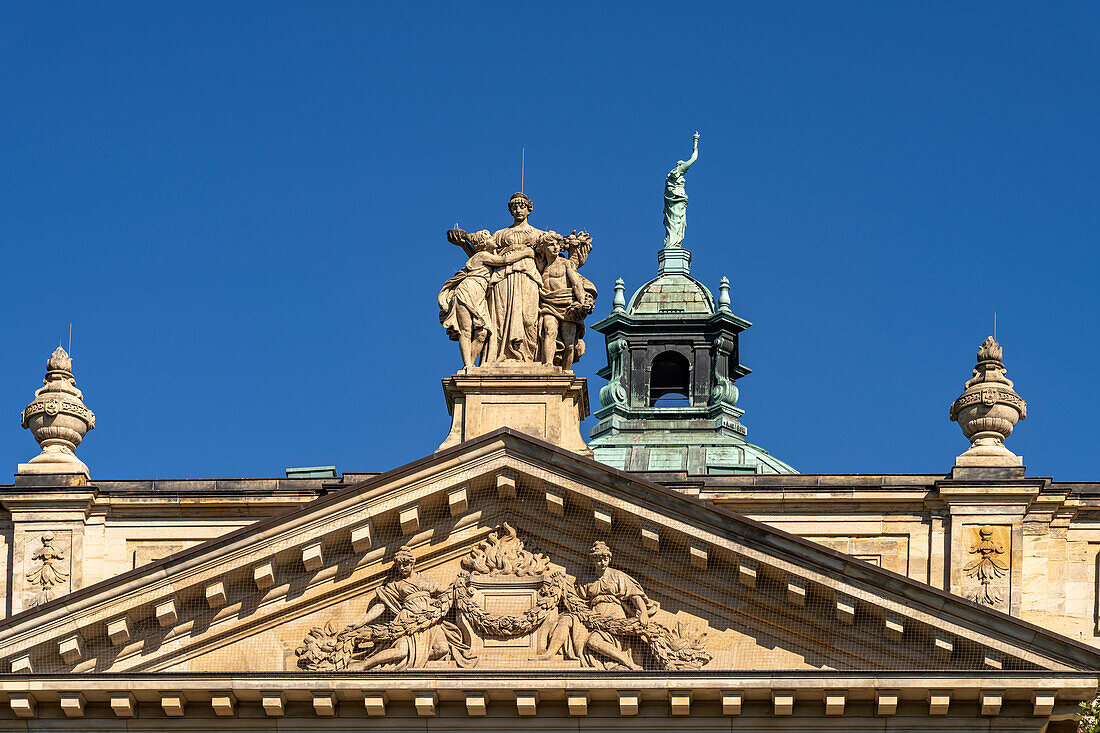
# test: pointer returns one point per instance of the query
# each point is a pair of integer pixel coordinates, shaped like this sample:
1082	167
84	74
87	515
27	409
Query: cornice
421	693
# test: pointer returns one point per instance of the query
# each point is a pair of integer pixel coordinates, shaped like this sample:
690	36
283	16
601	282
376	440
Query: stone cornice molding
399	693
72	505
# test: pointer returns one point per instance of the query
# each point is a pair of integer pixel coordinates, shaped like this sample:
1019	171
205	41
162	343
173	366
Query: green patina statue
676	199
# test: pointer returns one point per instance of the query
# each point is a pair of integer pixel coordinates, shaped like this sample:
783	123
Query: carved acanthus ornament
592	624
614	393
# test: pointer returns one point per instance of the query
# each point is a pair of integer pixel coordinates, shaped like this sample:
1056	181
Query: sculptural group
519	297
603	624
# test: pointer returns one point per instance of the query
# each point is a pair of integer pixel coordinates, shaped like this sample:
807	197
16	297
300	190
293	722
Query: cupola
673	358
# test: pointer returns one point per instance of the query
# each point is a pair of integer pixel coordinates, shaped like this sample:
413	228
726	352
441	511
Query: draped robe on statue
410	597
514	298
467	288
676	199
611	596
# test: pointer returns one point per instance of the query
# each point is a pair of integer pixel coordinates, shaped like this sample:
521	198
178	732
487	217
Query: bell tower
673	360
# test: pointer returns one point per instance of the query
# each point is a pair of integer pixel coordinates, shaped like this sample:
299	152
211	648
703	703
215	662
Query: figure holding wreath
613	600
411	598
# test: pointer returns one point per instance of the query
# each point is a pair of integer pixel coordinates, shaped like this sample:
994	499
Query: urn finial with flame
58	419
988	410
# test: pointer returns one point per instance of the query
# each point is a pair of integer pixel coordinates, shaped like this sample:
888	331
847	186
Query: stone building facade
668	573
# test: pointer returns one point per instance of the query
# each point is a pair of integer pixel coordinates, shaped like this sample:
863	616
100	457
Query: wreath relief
603	623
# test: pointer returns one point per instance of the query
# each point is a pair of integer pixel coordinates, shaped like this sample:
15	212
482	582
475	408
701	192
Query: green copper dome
673	296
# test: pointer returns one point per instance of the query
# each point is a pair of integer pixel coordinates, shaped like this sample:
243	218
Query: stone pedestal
54	459
542	401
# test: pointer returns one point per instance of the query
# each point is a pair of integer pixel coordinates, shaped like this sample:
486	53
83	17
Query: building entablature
750	698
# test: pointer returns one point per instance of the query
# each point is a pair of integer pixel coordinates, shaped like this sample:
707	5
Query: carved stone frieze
509	605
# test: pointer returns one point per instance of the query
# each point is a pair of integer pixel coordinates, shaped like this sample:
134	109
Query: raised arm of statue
460	238
683	165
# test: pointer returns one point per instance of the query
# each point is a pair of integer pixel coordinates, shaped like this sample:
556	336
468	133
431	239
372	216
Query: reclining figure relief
607	623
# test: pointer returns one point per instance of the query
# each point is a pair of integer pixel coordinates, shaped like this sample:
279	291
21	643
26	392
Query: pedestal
542	401
54	459
988	461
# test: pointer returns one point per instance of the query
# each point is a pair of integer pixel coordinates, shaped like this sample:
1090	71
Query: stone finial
987	410
724	295
619	301
58	420
59	361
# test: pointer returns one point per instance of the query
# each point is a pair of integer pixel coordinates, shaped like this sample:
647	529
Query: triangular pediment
721	592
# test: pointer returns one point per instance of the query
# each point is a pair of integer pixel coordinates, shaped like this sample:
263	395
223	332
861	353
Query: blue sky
240	207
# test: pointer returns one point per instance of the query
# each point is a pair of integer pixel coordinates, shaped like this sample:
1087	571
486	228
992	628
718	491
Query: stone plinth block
542	401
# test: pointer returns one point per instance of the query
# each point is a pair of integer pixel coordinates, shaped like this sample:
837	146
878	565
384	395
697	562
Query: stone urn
989	408
58	420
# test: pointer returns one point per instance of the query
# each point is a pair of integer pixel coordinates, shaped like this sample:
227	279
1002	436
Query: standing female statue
676	198
514	288
463	300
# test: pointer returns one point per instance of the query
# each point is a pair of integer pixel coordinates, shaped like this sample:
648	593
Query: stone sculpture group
604	624
519	297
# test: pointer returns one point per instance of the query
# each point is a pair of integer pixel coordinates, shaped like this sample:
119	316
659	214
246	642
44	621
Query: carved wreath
327	648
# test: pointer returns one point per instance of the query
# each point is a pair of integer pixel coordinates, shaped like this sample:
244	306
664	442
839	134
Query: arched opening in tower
670	380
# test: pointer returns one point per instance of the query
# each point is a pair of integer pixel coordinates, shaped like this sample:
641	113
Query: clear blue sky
241	206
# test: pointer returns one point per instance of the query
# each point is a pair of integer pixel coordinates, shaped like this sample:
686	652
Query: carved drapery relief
988	566
49	574
507	602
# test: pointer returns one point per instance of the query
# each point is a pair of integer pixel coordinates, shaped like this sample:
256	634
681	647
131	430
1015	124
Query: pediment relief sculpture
519	296
507	603
319	589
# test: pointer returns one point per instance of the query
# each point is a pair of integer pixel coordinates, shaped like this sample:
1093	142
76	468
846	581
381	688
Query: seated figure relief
607	623
583	632
417	634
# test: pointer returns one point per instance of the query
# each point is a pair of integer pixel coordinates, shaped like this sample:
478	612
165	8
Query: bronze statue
676	198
